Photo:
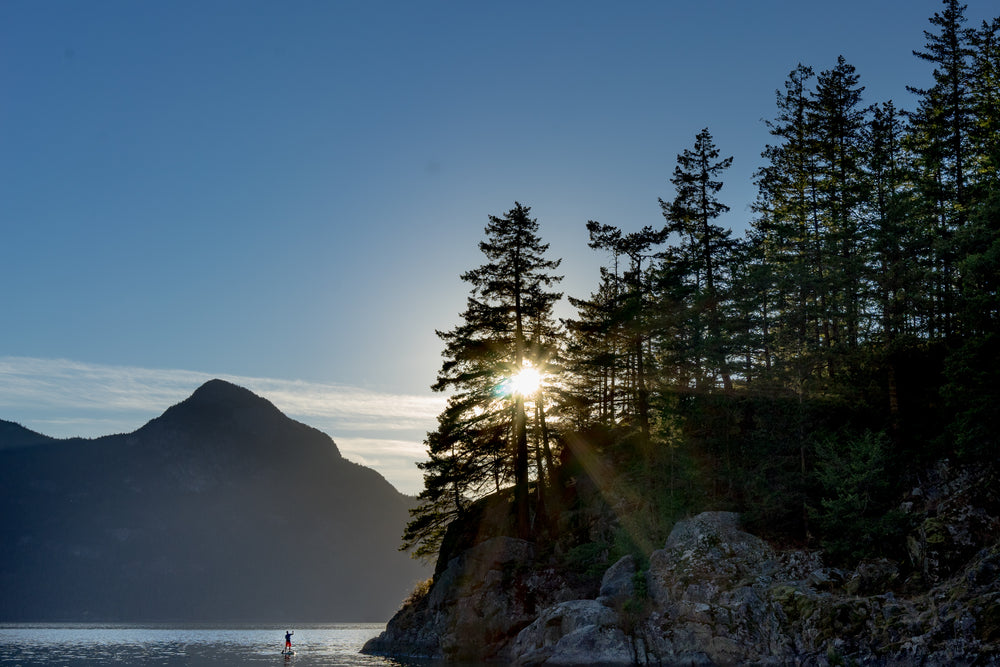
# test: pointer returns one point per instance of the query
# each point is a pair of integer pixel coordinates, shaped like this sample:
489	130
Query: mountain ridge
220	509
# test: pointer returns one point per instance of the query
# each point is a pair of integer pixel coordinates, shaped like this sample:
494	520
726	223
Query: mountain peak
230	413
221	391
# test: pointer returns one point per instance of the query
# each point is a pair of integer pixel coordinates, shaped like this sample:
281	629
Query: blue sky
285	193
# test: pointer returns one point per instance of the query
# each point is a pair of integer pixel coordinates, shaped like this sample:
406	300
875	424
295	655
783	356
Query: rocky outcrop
476	604
717	595
958	510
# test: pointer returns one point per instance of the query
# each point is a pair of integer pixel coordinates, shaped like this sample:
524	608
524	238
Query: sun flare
526	382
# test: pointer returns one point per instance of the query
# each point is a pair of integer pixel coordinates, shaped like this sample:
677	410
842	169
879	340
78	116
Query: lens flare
524	383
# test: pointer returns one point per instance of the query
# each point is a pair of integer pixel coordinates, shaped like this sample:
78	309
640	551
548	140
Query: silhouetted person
288	640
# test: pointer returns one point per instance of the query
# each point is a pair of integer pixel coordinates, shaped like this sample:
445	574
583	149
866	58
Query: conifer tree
889	205
985	93
631	312
839	232
492	346
940	131
706	247
784	232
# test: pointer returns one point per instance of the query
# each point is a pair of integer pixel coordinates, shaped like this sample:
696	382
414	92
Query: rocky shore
717	595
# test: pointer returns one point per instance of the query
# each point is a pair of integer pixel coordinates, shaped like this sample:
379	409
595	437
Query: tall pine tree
510	293
707	249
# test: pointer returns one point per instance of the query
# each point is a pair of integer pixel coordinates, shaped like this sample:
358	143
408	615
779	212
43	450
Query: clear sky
285	193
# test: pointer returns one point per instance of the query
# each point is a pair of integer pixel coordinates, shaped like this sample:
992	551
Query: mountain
221	509
15	435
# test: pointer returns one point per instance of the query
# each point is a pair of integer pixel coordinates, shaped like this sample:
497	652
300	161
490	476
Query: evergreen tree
839	233
889	207
596	351
631	312
971	389
707	248
940	139
783	235
492	346
985	93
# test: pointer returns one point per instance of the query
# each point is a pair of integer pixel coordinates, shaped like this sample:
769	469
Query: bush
853	514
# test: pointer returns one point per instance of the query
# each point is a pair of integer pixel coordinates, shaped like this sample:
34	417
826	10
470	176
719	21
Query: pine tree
631	308
839	233
493	345
706	246
971	389
985	94
597	357
783	238
940	136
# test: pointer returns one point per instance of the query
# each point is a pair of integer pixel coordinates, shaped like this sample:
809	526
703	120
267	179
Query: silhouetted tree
632	312
705	250
940	135
493	344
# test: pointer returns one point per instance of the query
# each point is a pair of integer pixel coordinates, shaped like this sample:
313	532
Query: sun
525	382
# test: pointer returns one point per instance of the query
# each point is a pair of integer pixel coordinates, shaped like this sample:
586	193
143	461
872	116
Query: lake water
77	645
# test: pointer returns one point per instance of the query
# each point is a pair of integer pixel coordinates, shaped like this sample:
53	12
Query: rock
572	633
717	595
872	577
618	583
476	605
959	506
704	555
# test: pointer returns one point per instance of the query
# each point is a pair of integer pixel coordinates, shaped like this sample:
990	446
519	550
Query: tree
466	459
492	346
631	307
783	238
706	246
889	207
940	134
839	122
595	354
985	94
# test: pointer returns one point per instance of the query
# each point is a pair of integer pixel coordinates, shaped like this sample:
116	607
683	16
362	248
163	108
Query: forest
801	375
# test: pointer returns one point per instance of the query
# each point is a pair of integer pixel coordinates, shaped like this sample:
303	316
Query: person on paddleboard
288	640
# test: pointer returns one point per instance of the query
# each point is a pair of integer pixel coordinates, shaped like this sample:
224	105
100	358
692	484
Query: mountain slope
221	509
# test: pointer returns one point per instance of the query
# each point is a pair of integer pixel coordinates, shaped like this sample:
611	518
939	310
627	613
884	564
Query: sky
284	194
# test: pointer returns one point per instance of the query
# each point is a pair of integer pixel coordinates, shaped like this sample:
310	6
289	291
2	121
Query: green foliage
588	560
857	489
972	393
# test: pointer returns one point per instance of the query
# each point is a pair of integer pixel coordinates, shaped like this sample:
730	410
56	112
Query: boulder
618	583
707	554
572	633
958	511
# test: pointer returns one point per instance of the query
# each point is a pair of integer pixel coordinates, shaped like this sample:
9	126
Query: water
77	645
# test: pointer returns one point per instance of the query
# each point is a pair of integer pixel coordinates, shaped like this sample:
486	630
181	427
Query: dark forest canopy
852	331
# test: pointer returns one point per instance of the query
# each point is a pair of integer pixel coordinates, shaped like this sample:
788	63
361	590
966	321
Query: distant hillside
15	435
221	509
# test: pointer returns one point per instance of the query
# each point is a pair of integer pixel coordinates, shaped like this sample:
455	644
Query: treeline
794	373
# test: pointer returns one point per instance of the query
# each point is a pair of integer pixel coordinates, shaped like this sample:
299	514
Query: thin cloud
66	398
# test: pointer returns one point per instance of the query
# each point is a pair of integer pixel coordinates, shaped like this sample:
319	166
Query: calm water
74	645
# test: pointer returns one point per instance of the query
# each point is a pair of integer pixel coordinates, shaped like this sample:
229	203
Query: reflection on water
72	645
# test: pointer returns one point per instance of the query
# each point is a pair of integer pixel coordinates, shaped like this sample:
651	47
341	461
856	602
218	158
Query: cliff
717	595
221	509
